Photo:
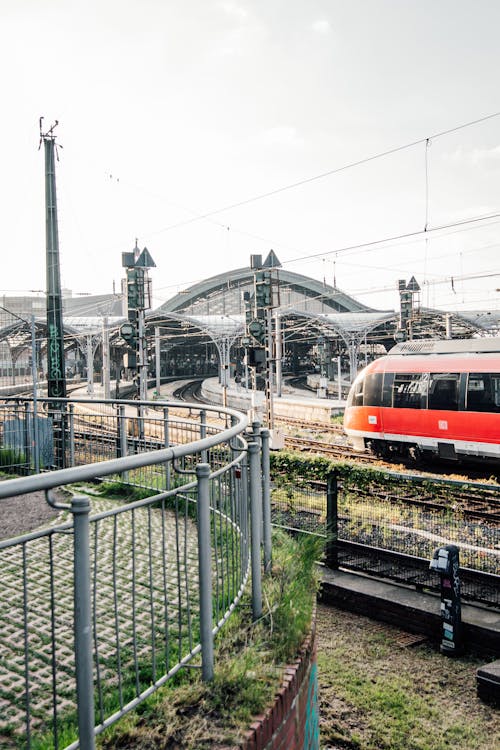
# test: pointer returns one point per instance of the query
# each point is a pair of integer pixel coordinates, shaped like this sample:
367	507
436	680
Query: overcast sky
172	109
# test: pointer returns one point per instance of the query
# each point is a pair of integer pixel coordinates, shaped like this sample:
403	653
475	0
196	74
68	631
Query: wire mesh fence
145	613
389	524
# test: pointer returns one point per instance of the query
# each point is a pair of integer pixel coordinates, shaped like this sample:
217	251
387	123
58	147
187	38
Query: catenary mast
56	376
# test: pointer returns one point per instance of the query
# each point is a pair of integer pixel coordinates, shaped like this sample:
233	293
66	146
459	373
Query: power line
395	238
322	175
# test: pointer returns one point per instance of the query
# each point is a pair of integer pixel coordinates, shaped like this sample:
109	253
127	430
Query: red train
429	397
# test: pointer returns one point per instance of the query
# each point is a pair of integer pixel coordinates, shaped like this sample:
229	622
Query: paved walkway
137	605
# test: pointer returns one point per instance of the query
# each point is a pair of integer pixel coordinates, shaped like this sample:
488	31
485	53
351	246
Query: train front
362	415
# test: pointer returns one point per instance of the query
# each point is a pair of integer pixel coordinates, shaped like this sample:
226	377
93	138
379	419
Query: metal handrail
228	539
59	477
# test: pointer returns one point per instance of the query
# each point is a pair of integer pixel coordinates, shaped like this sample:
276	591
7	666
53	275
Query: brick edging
265	726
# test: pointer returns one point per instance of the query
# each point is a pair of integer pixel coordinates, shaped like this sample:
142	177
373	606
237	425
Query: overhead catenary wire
395	238
328	173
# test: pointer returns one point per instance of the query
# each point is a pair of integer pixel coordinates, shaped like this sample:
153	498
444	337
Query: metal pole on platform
279	354
105	359
157	360
90	365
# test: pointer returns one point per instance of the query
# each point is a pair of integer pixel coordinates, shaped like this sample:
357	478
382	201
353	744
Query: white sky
169	109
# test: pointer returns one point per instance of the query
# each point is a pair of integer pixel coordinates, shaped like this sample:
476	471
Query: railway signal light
256	357
128	333
263	290
135	288
257	330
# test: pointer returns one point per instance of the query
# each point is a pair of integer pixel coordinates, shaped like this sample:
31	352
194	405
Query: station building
201	331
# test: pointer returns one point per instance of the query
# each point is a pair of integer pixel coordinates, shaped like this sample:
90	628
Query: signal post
259	341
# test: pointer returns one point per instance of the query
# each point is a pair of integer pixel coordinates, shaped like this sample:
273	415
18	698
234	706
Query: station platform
412	610
293	402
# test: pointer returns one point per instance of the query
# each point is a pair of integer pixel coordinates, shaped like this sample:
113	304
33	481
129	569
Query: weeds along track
332	450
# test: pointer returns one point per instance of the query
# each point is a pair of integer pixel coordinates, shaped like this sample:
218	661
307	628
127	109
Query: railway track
190	391
333	450
334	428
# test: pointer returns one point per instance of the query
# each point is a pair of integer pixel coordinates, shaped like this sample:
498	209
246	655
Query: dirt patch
377	691
21	514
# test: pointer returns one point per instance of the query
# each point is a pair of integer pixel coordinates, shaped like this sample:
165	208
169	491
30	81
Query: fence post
203	432
244	511
71	435
122	429
266	499
26	438
255	520
80	508
332	521
166	443
205	572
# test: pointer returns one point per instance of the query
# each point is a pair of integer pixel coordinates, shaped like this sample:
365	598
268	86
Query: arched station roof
222	294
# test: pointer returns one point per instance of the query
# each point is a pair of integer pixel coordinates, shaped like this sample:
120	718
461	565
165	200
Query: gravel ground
21	514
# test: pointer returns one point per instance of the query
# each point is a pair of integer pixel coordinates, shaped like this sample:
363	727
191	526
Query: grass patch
377	695
249	659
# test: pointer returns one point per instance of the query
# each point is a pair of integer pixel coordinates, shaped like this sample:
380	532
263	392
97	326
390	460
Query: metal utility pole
56	375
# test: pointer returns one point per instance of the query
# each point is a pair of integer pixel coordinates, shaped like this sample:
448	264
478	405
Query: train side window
443	391
373	389
483	392
408	389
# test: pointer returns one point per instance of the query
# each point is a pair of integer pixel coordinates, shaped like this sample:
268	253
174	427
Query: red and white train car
429	397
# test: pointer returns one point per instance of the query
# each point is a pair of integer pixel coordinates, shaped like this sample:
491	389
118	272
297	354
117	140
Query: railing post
256	430
266	499
255	521
205	572
71	435
244	511
26	438
122	429
80	508
203	432
166	443
256	438
332	521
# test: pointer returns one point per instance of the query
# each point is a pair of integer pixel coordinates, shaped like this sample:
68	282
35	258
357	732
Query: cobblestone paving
140	607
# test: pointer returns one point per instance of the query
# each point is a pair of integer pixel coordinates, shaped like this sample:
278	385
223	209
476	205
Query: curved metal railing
118	592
